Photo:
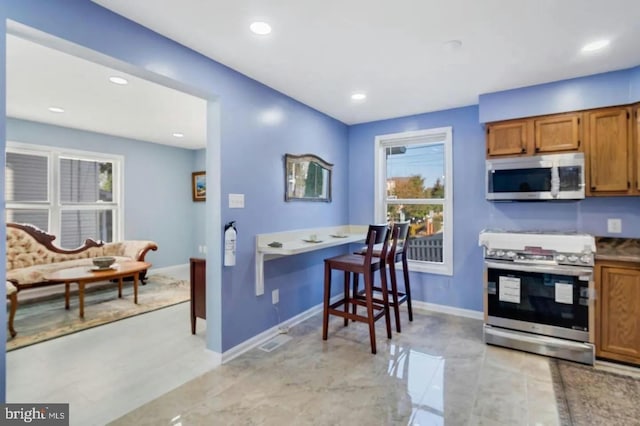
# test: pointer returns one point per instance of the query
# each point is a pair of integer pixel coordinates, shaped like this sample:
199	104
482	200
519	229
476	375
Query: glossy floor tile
437	371
107	371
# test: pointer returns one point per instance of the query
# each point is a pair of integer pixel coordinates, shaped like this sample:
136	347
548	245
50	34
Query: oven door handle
583	273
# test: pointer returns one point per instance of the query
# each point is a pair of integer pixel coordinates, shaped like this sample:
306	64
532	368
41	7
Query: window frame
439	134
54	205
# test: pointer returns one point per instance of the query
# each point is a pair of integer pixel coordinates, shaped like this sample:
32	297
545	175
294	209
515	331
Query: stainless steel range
539	292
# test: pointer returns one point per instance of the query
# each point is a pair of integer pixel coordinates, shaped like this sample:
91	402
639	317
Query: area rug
46	318
588	396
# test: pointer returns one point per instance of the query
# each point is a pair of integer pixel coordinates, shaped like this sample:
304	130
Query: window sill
431	268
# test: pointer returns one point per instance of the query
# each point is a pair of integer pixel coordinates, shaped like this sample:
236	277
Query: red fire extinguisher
230	237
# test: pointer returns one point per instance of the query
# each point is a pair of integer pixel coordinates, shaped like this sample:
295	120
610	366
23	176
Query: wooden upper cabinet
610	151
557	133
636	142
507	138
618	313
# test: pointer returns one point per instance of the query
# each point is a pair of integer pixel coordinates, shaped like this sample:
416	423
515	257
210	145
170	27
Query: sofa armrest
137	249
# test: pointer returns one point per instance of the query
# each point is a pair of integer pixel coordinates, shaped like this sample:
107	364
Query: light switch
236	201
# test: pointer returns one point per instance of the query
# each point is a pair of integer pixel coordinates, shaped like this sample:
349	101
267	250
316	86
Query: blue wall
257	126
634	85
157	195
594	91
471	210
198	237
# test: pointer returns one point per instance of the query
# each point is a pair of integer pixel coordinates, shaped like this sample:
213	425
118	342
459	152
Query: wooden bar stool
365	265
396	253
12	296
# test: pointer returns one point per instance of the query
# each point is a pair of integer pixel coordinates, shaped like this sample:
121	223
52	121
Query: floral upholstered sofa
31	254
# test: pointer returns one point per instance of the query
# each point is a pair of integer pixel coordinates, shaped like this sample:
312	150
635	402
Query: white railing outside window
414	182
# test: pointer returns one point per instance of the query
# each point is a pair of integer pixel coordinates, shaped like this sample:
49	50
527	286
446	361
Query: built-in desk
293	243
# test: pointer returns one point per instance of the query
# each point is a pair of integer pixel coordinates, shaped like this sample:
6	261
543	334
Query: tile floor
437	371
107	371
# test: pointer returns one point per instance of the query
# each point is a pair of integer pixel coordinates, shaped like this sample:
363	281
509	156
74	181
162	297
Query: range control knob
500	253
585	259
490	252
572	258
561	258
511	254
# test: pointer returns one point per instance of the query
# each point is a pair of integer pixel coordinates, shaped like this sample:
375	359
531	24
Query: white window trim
443	134
53	203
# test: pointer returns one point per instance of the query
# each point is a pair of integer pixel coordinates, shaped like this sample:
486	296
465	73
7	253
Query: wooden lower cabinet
198	279
618	311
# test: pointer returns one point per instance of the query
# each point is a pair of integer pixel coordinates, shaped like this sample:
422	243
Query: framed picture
199	186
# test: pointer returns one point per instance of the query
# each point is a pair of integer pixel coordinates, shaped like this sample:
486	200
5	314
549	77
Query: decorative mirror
307	178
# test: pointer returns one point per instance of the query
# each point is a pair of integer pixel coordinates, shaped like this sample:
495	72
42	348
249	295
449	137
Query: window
73	195
414	182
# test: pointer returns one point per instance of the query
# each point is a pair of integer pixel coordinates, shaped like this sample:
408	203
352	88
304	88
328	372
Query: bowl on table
103	262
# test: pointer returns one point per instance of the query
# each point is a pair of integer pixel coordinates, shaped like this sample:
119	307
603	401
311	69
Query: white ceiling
322	51
39	77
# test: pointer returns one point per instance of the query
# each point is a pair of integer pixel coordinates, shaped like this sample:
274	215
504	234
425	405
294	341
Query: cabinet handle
524	150
593	188
628	185
537	149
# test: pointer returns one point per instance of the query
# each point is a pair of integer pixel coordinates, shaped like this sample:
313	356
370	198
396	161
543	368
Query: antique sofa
31	255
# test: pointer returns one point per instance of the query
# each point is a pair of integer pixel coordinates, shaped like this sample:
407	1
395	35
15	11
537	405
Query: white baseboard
259	339
444	309
180	272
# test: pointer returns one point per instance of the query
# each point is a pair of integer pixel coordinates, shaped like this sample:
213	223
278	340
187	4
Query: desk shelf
293	243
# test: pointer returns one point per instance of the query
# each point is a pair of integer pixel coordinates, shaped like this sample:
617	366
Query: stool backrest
399	241
376	235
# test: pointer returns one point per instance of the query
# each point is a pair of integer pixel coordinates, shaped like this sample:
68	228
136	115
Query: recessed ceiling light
118	80
452	45
260	28
358	96
56	109
178	135
596	45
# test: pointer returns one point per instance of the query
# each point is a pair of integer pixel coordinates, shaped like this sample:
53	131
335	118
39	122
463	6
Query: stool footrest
402	297
355	317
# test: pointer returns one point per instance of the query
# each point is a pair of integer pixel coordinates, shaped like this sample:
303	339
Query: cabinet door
608	150
619	319
636	141
557	133
507	138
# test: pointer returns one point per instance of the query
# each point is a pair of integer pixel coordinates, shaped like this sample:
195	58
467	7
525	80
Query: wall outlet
199	249
275	296
204	249
614	226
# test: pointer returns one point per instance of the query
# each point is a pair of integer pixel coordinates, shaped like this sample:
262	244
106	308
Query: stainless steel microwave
540	177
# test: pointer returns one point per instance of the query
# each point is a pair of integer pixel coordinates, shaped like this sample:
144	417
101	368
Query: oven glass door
539	295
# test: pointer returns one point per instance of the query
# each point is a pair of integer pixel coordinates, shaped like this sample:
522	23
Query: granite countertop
620	249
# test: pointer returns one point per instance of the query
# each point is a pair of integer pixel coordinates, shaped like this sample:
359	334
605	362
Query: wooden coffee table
83	275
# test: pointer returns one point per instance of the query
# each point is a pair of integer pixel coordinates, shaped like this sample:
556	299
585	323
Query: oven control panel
542	257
